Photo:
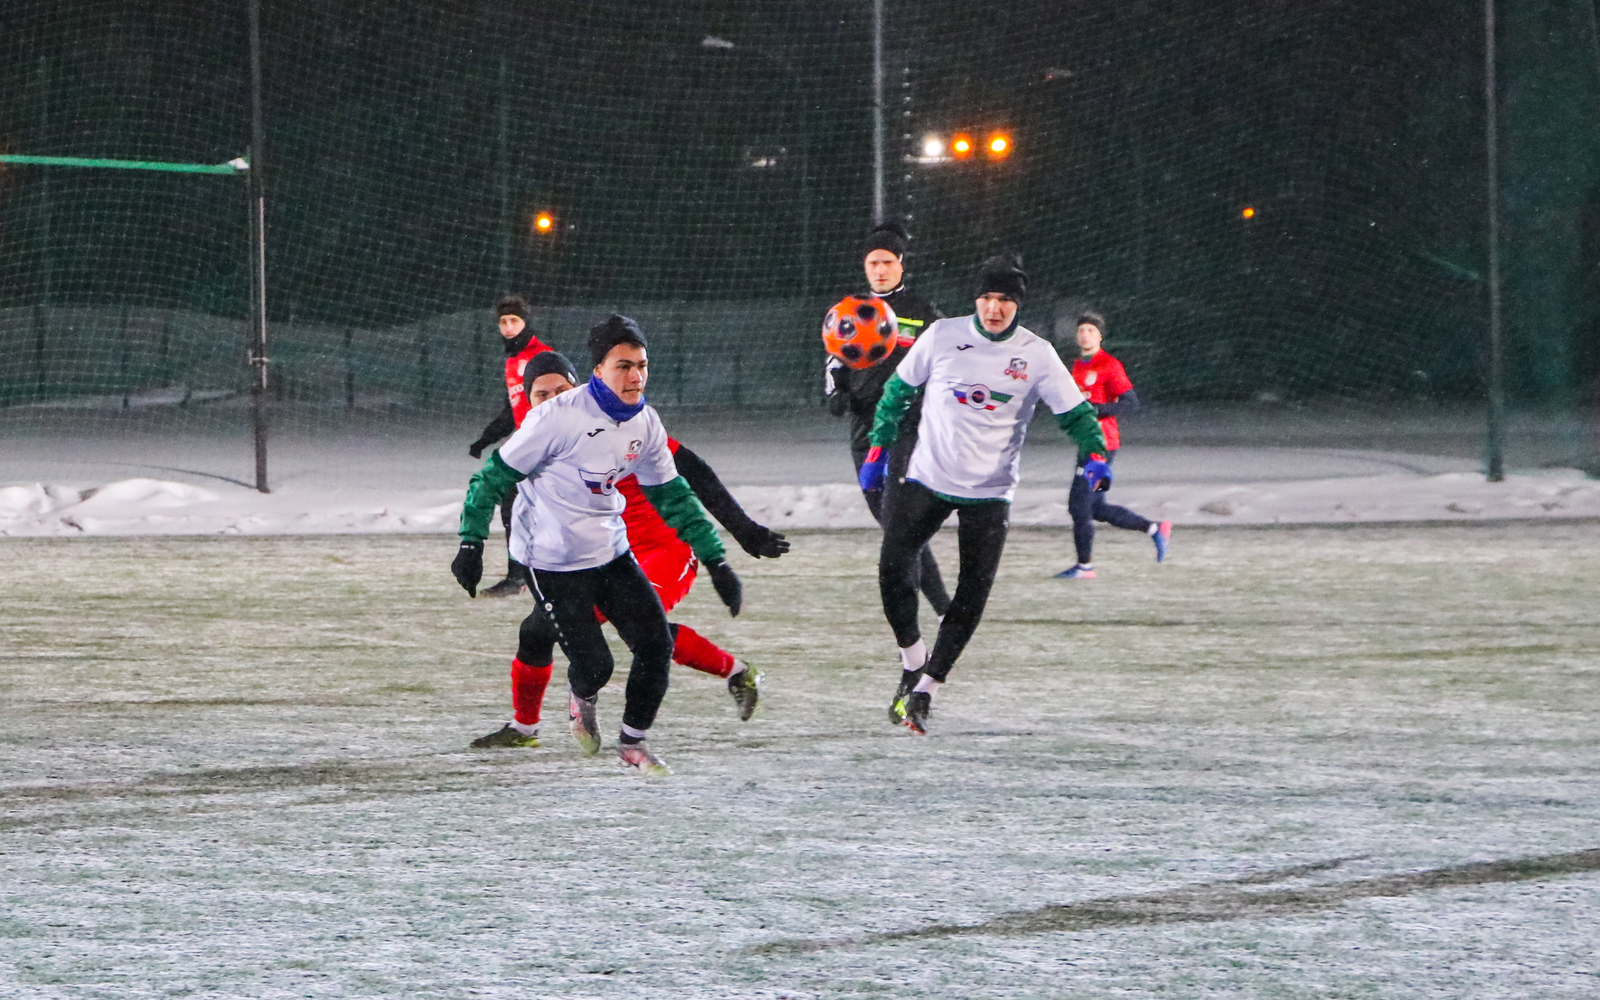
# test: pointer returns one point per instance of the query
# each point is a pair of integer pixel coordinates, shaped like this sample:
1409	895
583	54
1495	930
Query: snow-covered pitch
1290	762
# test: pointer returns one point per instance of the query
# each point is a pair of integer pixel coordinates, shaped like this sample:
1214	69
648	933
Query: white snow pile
157	507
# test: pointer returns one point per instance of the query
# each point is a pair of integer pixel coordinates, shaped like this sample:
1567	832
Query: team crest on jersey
1091	378
979	396
1018	369
634	447
600	483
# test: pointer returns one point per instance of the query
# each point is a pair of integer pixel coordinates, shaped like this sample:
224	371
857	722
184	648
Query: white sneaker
638	755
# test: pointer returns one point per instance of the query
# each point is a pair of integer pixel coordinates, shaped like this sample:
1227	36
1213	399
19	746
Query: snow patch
157	507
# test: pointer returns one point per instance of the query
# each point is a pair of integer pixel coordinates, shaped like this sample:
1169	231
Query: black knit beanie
1003	273
547	363
1094	319
512	305
887	236
615	330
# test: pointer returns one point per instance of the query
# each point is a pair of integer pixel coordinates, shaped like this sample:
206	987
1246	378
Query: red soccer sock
527	690
694	650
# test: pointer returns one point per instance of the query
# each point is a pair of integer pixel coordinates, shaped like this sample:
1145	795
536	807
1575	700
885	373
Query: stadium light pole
1495	445
258	253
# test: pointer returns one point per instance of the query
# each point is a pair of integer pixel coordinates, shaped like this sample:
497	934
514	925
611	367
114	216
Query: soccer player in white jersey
575	447
979	377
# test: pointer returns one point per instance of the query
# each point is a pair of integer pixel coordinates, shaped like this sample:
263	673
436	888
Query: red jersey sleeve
1116	378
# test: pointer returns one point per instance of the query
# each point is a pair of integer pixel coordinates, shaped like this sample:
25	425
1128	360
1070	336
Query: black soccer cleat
918	705
745	686
506	736
511	586
897	708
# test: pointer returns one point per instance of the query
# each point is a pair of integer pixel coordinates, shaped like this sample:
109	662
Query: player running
980	377
574	448
667	562
520	345
1104	383
857	391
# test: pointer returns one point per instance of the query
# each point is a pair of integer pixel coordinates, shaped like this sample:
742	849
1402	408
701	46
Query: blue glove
1097	473
873	470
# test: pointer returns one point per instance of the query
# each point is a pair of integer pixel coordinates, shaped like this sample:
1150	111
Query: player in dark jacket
857	391
512	315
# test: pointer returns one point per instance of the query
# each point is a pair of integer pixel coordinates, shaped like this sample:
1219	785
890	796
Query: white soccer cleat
637	755
585	728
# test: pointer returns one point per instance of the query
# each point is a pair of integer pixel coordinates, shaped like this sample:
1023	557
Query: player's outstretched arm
677	505
1082	425
756	539
1123	405
898	395
489	486
497	429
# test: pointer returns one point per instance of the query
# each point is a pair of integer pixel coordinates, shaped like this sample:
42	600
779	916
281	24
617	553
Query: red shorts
670	569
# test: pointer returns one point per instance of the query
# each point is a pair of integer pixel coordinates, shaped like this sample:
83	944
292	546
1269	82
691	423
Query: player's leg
672	571
627	598
1080	504
516	580
929	580
915	513
1121	517
569	599
981	539
530	676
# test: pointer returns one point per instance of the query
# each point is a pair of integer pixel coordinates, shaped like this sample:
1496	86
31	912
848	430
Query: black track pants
1086	508
929	580
624	595
910	519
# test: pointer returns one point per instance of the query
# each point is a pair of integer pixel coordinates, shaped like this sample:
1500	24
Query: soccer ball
860	331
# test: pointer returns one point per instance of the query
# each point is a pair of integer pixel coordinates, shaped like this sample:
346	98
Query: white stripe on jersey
978	397
569	513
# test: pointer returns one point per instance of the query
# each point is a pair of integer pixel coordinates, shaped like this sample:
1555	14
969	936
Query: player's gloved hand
1097	474
761	541
476	448
468	567
874	470
726	581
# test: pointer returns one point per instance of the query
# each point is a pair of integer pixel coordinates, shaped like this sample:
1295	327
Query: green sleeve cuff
892	406
1082	425
678	506
494	483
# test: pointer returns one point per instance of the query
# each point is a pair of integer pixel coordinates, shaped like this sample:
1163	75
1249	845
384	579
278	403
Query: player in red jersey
1104	383
520	345
667	561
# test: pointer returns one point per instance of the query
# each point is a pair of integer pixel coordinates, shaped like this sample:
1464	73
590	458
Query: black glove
476	448
727	583
468	567
761	541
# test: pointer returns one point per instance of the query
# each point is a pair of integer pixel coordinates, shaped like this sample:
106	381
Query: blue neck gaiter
608	402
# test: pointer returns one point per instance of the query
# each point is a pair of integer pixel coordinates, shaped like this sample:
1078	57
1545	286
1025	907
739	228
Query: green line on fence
238	166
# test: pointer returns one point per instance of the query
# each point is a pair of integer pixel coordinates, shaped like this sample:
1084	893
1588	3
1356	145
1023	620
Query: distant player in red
520	344
666	559
1104	383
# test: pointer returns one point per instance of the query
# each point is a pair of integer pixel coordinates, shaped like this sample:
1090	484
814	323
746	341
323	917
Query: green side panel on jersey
492	484
1082	425
680	508
892	406
968	501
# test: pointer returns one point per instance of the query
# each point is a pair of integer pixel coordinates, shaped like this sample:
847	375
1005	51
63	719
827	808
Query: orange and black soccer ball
860	331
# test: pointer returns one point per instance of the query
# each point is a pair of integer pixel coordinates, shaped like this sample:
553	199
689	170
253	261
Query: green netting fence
1278	202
